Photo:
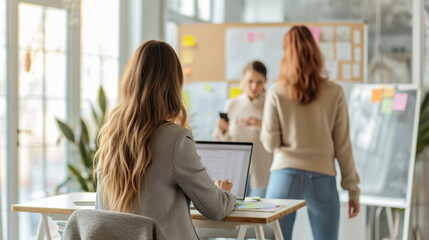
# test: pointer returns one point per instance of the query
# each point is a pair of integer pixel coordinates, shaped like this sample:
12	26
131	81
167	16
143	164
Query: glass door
42	97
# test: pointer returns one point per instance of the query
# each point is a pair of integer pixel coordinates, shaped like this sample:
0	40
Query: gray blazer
175	177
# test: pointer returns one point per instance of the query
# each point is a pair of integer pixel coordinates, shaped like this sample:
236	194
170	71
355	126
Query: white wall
263	11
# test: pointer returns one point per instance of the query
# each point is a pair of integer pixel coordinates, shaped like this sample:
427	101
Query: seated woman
147	162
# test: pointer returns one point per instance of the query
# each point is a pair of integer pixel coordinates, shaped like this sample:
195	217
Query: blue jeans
320	193
255	192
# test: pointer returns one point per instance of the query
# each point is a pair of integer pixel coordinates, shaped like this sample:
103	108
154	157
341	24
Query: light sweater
239	108
175	177
310	137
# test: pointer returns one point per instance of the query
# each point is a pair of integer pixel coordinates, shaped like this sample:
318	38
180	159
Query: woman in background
147	160
244	125
306	125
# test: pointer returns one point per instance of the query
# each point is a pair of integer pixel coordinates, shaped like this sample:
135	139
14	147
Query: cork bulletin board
217	52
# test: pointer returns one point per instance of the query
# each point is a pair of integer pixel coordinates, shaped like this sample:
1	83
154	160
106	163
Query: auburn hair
301	66
151	95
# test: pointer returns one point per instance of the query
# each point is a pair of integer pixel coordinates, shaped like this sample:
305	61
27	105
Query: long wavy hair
151	95
301	66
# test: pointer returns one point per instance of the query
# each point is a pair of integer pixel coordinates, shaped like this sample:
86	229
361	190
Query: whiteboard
384	141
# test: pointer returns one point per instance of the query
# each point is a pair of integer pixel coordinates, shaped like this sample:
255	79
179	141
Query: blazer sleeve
343	149
271	130
192	177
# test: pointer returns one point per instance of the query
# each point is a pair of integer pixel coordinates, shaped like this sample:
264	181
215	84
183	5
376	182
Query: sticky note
400	102
187	57
187	71
389	92
316	32
259	37
207	88
234	92
376	95
250	37
387	106
187	98
188	41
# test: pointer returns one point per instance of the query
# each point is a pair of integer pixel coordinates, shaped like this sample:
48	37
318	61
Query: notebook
227	161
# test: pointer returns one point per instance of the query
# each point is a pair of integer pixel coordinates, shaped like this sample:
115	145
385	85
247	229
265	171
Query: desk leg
242	232
40	230
277	230
46	226
259	232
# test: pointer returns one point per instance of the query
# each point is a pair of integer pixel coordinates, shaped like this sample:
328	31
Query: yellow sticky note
234	92
389	92
187	57
207	88
188	41
377	95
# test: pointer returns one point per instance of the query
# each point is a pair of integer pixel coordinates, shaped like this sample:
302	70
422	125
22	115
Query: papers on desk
257	207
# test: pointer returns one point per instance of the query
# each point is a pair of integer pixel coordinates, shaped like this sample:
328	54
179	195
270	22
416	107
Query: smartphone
224	116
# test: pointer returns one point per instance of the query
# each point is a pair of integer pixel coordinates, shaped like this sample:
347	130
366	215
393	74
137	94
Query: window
3	210
100	54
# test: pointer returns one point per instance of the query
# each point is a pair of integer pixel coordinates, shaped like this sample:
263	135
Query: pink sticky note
250	37
315	31
400	102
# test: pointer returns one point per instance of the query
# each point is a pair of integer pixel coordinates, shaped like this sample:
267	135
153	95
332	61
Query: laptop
227	161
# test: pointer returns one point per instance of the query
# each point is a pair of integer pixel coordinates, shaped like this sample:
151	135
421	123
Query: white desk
60	207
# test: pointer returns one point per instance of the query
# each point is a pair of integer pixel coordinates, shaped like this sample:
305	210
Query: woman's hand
222	125
354	208
225	185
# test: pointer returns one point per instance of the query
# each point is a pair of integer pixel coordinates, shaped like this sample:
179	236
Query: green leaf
59	186
66	130
84	131
102	101
97	119
84	154
75	172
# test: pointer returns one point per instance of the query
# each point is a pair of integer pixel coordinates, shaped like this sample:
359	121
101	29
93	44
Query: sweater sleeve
192	177
271	130
217	133
343	149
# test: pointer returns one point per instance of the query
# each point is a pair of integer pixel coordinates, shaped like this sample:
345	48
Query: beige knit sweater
239	108
310	137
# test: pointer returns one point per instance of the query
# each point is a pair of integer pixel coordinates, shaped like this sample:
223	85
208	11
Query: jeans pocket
322	186
281	184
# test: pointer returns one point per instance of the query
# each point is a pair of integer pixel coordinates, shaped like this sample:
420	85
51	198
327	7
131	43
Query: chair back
98	224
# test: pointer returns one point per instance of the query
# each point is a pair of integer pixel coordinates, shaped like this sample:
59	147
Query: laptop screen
227	161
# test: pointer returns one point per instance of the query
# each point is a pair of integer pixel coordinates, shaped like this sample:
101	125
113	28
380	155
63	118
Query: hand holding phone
224	116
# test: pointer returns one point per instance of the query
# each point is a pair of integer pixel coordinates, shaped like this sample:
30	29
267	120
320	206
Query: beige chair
97	224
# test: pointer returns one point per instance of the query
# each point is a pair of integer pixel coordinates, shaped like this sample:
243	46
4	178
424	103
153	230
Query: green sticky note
207	88
387	106
187	98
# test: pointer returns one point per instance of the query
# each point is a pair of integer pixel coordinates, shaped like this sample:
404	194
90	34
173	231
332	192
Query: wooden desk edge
17	208
253	219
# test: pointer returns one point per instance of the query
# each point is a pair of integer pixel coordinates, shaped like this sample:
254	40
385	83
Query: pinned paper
343	33
327	49
234	92
187	57
188	41
346	71
332	68
389	92
358	54
344	51
315	31
400	102
376	95
387	106
356	36
250	37
187	71
327	33
260	37
207	88
356	70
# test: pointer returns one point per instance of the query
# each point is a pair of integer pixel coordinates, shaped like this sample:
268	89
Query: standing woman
306	125
147	160
244	125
